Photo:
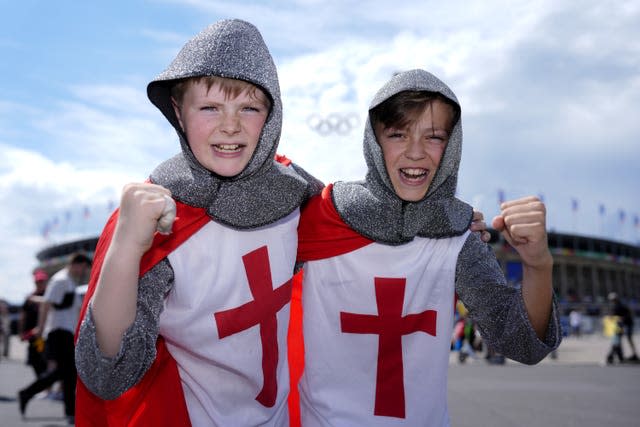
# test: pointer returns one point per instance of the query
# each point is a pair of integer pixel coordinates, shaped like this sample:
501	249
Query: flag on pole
601	209
501	197
621	216
574	205
46	228
86	212
636	221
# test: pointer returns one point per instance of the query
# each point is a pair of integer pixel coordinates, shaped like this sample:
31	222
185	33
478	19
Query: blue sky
550	92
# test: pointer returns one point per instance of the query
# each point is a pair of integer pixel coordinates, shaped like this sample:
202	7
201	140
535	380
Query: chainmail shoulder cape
372	208
265	190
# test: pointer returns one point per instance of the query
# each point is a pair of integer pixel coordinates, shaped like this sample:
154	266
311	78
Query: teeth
227	147
414	172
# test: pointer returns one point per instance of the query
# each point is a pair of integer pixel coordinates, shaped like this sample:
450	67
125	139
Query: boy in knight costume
384	257
189	328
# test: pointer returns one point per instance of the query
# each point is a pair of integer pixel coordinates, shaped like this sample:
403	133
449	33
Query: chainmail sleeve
109	377
498	308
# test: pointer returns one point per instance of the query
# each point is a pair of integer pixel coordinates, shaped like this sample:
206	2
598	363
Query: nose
415	149
230	124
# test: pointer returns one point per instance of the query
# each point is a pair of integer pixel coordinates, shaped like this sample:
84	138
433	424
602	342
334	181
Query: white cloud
102	124
529	123
33	191
548	89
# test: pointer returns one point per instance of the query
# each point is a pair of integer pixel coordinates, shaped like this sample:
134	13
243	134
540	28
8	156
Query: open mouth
414	175
227	148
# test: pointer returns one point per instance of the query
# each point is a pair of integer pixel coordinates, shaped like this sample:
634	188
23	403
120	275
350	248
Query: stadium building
585	270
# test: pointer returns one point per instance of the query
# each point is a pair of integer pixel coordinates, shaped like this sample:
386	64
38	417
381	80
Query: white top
66	318
377	331
218	349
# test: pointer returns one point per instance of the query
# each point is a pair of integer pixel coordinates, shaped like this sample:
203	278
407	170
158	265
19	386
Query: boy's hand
522	222
141	206
478	224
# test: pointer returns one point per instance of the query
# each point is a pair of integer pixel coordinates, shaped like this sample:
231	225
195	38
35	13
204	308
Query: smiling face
413	150
223	127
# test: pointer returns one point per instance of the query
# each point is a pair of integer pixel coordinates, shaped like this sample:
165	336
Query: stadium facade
586	269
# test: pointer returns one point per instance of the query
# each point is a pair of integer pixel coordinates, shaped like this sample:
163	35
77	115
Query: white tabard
225	322
377	330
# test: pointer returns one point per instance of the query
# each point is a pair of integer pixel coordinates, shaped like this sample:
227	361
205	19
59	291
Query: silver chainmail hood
264	191
372	208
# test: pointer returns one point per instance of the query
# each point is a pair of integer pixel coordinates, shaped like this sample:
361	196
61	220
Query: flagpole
574	209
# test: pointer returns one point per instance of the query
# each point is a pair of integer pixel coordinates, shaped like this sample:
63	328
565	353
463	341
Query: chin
227	171
411	196
227	174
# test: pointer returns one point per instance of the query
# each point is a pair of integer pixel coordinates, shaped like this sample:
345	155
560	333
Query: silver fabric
264	191
497	307
109	377
372	208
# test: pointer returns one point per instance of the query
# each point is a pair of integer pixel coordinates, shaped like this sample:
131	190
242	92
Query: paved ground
547	395
575	389
14	375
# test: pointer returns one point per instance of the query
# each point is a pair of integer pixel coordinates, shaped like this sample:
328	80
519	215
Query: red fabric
157	400
296	350
281	158
322	233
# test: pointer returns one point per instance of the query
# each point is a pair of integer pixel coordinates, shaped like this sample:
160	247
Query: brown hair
79	258
230	87
403	108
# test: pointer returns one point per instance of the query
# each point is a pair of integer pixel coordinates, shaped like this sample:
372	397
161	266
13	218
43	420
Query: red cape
321	234
157	399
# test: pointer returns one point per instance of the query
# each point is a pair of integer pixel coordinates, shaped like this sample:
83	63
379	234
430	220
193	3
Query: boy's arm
43	312
114	301
498	307
118	332
109	377
522	224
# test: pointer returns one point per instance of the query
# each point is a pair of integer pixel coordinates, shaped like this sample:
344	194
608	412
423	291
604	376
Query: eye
394	134
437	138
209	108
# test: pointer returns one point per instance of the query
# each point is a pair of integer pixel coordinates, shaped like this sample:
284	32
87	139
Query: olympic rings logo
338	123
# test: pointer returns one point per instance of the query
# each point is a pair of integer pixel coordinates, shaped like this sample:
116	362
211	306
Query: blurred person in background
575	322
57	321
5	329
626	316
28	323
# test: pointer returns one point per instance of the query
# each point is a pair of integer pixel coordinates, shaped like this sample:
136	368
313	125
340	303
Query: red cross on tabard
262	310
391	326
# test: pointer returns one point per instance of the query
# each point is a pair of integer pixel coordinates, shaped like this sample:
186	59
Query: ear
176	109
